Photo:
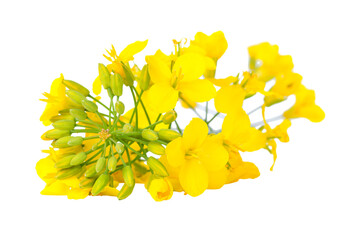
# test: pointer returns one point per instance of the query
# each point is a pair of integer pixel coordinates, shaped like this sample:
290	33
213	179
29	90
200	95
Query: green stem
91	137
179	129
135	109
154	124
142	104
213	117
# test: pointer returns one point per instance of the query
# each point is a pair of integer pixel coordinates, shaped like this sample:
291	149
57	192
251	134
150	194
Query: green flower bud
75	96
89	105
144	80
156	148
78	114
112	163
117	84
95	146
119	147
100	183
168	134
64	124
100	164
128	176
149	134
104	75
125	192
129	77
69	172
119	107
87	183
127	128
57	133
169	117
74	141
67	141
91	172
157	167
79	158
61	117
72	85
64	162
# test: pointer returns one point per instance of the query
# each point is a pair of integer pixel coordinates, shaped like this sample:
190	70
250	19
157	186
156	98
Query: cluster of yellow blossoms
100	149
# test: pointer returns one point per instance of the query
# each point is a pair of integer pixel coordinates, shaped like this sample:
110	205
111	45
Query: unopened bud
69	172
64	124
75	96
79	158
117	84
125	192
168	134
78	114
149	134
156	148
112	163
64	162
144	80
119	147
104	75
56	133
127	128
61	117
169	117
100	164
100	183
91	172
119	107
128	176
129	77
72	85
157	167
89	105
95	146
67	141
87	183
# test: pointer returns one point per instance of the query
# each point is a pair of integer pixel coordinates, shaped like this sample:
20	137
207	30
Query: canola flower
104	149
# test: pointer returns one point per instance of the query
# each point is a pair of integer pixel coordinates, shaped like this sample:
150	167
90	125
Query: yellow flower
285	85
56	101
267	62
229	98
305	106
239	135
212	46
196	154
125	56
160	189
183	78
238	169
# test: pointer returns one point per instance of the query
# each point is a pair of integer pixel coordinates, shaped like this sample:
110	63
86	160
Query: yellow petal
128	53
158	70
160	189
175	152
161	98
195	134
238	133
216	179
191	65
215	44
222	82
78	193
229	99
97	86
193	177
45	169
212	154
55	188
246	170
200	90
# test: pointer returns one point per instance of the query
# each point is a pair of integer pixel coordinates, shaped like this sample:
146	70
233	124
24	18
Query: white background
307	196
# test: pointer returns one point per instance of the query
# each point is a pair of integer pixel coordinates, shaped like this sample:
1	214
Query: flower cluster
101	149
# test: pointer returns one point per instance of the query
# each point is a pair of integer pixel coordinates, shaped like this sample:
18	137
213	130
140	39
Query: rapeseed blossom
105	149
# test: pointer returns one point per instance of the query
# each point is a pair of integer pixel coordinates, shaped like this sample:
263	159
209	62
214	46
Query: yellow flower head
196	154
212	46
305	106
182	78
